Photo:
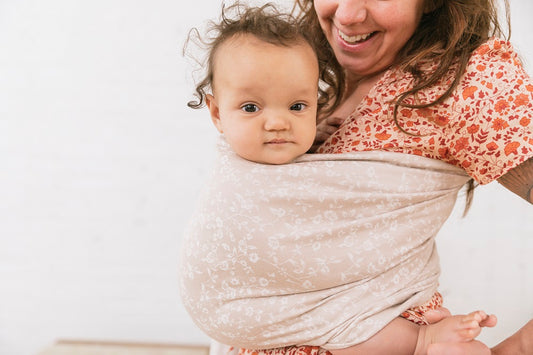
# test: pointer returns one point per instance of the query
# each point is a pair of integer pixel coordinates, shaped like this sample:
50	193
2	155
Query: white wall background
101	160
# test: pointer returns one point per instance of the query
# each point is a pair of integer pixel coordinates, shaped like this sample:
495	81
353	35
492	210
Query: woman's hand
325	128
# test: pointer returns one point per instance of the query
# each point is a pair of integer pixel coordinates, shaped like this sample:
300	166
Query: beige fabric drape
322	251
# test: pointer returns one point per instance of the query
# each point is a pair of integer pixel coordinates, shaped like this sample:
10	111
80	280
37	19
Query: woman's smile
366	36
354	39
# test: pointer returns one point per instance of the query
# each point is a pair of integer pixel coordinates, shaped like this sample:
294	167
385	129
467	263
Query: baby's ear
214	111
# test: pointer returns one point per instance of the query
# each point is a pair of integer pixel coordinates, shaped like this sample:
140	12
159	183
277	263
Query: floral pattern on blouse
484	127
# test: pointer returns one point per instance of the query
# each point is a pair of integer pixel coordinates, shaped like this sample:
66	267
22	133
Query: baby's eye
298	107
251	108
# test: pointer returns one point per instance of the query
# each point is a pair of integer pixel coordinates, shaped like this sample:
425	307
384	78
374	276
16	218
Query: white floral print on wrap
323	251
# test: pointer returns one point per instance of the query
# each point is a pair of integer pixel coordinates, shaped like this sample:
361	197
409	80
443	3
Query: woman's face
366	35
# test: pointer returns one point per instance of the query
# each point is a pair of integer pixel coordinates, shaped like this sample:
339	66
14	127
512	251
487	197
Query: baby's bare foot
470	326
436	315
453	329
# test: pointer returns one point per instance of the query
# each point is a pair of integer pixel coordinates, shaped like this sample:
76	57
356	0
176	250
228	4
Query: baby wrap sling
323	251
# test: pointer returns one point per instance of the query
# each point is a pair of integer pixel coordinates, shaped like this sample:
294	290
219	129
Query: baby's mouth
355	39
277	141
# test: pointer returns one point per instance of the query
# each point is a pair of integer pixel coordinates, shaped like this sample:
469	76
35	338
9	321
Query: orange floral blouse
485	126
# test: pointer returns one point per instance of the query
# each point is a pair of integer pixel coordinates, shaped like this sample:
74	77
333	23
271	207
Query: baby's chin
271	161
273	154
279	159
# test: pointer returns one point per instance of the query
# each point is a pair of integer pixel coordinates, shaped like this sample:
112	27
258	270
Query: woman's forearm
520	180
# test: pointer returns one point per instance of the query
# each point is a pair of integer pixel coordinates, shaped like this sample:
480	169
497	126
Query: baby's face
265	98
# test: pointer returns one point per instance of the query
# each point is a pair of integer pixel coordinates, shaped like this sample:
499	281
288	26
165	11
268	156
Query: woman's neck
358	87
355	82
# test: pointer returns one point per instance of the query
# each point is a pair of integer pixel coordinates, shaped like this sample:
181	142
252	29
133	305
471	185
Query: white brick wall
100	161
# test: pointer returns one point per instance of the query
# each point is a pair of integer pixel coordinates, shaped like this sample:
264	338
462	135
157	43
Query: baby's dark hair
267	23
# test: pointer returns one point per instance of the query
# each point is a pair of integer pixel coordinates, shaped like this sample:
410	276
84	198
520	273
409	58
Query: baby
264	92
263	76
265	97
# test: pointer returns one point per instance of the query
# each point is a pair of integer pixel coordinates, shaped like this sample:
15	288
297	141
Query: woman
414	77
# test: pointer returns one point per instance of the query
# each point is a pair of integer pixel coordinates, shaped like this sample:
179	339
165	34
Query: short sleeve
494	103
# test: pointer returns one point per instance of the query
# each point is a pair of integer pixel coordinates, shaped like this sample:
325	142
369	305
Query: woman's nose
351	11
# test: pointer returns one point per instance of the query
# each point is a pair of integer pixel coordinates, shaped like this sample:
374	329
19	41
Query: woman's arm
520	180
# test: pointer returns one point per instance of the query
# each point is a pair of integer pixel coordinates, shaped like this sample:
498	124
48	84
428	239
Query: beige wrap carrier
322	251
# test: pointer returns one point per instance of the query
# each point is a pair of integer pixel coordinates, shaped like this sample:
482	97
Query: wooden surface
79	347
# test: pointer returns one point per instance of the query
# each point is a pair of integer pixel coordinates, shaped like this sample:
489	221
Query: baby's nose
277	122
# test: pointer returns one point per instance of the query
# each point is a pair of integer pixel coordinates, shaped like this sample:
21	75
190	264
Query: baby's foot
453	329
436	315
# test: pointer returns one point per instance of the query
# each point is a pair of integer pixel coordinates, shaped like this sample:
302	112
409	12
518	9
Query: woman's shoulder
494	70
494	44
496	50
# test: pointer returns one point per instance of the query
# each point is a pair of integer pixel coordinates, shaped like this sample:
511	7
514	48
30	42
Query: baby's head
263	78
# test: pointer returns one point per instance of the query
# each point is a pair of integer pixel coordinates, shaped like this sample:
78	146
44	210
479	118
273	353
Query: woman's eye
250	108
298	107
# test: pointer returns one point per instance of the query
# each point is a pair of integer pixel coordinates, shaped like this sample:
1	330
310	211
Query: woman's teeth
354	39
